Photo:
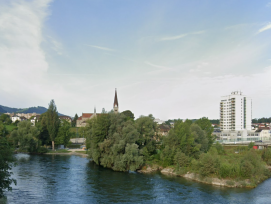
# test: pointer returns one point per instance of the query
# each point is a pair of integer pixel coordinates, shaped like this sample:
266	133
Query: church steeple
116	104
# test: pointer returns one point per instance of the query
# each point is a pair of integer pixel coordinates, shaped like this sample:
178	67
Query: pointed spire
116	104
116	99
94	110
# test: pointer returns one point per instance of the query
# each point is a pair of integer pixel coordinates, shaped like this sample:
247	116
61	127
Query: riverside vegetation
119	142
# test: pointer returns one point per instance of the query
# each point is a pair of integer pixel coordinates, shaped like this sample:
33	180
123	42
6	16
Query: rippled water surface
74	179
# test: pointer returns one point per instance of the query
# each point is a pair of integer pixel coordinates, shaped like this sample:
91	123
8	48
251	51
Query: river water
74	179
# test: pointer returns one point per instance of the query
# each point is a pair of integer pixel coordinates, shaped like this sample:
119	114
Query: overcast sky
173	59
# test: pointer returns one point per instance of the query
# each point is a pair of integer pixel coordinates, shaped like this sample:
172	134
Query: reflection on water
74	179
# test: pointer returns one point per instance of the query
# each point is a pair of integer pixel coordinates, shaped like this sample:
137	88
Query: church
81	121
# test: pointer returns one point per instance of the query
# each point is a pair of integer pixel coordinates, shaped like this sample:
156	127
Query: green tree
74	120
26	136
44	136
52	122
206	125
129	115
64	134
6	160
5	119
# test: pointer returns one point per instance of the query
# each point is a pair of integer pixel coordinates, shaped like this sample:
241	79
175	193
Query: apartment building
235	112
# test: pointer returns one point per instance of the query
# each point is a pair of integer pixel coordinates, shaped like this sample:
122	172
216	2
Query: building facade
235	112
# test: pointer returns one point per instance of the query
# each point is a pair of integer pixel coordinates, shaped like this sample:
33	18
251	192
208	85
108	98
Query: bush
42	150
219	148
209	164
247	169
251	144
181	159
225	170
266	156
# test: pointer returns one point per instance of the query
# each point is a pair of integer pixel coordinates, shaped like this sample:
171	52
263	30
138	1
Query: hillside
2	110
38	109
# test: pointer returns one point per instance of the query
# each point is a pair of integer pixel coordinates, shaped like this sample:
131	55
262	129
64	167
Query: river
74	179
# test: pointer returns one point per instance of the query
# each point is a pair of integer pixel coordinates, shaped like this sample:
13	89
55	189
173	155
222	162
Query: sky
172	59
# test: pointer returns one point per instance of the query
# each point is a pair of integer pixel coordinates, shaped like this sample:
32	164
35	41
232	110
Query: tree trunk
53	145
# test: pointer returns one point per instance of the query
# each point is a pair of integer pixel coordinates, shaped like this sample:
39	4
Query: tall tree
52	122
74	120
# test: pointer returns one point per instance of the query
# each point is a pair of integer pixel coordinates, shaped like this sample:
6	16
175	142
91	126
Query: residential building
81	121
14	118
235	119
235	112
67	118
163	129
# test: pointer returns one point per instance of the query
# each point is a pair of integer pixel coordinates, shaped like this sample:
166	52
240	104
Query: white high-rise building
235	112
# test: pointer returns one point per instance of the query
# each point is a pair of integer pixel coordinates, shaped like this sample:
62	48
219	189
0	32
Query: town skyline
164	59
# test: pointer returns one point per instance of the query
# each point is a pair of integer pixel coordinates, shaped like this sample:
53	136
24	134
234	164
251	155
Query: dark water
73	179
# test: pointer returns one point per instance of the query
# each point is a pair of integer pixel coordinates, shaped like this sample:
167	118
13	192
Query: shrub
209	164
251	144
225	170
219	148
247	169
181	159
42	150
266	156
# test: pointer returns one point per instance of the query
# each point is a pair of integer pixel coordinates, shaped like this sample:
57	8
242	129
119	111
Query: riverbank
77	152
171	171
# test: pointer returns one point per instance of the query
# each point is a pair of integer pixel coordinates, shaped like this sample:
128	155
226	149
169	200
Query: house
163	130
67	118
35	119
23	118
14	118
81	121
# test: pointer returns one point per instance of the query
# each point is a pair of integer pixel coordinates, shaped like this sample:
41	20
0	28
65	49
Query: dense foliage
118	142
6	160
49	129
26	136
261	120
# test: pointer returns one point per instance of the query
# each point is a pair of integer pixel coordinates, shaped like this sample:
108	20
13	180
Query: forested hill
2	110
38	109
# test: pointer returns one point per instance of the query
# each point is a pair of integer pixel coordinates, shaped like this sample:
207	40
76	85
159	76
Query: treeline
48	131
214	121
261	120
119	142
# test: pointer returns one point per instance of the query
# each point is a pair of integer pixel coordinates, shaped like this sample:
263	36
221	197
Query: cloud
268	4
23	62
173	37
267	27
181	36
102	48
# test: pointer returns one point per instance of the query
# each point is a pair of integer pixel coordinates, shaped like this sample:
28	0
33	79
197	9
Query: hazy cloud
102	48
181	36
267	27
268	4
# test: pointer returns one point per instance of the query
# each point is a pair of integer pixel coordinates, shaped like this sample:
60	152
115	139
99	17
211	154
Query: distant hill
2	110
38	109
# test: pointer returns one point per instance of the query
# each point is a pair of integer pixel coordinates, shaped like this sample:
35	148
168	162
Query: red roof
80	118
86	115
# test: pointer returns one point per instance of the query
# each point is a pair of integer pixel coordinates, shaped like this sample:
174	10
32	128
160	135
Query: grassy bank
58	151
